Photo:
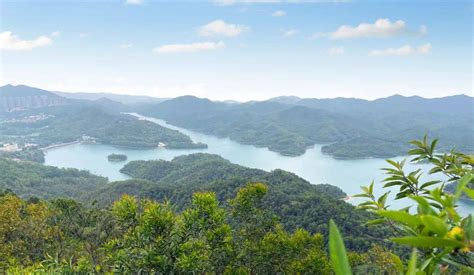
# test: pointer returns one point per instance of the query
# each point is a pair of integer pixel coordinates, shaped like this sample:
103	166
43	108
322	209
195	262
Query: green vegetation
149	236
117	157
28	179
30	154
296	202
93	124
441	239
183	216
288	130
351	128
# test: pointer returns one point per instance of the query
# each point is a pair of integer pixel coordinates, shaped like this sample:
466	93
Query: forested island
117	157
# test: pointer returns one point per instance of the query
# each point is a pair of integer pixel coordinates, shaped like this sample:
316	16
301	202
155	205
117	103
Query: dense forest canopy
200	213
354	128
41	118
349	128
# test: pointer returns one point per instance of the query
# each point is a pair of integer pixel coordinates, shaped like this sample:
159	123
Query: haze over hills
351	128
32	118
354	128
124	99
22	97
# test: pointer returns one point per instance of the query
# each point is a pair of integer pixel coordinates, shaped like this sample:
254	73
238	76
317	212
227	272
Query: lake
313	166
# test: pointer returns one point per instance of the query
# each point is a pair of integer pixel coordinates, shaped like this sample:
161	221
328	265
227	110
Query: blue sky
241	51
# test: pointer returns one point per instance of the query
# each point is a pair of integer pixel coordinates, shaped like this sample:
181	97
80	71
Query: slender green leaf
398	263
463	182
469	192
337	251
429	183
401	217
468	226
412	263
434	224
427	242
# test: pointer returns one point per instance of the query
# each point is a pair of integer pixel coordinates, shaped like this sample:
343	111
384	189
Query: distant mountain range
22	97
124	99
395	103
35	116
350	127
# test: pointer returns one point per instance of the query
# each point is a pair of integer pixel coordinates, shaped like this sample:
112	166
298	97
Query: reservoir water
313	166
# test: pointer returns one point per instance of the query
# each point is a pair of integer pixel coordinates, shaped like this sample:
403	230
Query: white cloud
133	2
55	34
221	28
291	32
336	51
84	34
189	48
380	28
424	49
126	46
405	50
279	13
402	51
11	42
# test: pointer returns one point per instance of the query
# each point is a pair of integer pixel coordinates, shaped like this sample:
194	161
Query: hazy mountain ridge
351	127
124	99
22	97
356	128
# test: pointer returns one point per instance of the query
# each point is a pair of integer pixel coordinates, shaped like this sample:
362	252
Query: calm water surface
313	166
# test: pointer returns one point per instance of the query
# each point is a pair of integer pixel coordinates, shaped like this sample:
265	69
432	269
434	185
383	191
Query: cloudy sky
239	49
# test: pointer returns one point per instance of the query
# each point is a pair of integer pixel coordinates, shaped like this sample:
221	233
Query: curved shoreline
60	145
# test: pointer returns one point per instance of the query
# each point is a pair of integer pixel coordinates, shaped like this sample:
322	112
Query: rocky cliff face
15	98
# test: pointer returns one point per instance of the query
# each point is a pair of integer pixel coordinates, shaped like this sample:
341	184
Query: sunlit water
313	166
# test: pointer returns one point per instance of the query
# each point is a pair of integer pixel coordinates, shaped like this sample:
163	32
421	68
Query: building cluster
28	119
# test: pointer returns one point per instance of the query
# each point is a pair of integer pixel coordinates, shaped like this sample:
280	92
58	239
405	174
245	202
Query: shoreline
60	145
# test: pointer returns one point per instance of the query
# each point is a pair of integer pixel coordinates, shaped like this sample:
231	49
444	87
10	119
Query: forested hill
295	201
289	130
457	104
352	128
28	179
98	121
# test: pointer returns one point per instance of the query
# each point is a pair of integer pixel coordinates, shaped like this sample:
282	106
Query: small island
117	157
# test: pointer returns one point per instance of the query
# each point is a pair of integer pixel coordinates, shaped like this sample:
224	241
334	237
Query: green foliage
352	128
435	228
28	179
71	122
29	154
117	157
294	201
142	235
339	260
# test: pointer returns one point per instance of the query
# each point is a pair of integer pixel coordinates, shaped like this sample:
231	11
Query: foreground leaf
427	242
337	251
